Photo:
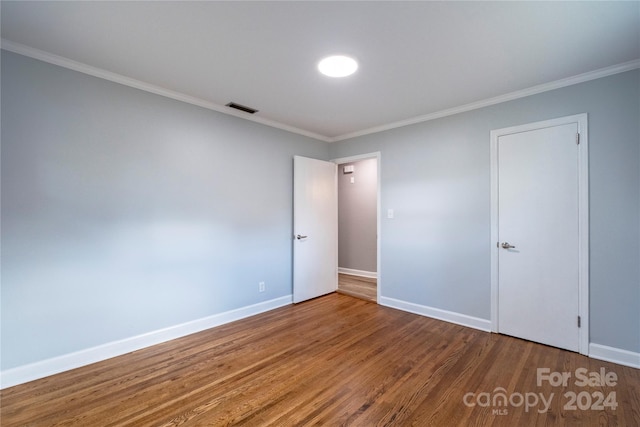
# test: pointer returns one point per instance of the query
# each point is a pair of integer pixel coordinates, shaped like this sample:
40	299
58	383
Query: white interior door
538	234
315	227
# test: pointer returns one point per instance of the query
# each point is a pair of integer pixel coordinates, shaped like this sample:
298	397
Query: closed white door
538	234
315	225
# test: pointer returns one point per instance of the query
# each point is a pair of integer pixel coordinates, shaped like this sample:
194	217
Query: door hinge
579	321
577	139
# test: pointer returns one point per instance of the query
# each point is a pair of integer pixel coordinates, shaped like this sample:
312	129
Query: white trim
494	231
359	273
583	231
375	155
583	218
44	368
596	351
436	313
546	87
118	78
614	355
148	87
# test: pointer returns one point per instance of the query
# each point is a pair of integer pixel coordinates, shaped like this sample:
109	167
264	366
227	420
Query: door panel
538	279
315	226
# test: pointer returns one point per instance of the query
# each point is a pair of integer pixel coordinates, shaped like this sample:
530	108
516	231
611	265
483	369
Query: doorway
539	229
358	226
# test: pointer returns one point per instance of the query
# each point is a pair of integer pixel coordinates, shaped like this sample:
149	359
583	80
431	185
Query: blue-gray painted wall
124	212
436	176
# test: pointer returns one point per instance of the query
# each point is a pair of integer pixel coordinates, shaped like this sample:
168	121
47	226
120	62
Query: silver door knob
506	245
299	237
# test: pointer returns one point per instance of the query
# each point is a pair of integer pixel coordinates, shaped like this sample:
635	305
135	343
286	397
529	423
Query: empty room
292	213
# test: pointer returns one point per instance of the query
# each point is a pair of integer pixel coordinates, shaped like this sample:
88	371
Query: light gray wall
357	216
124	212
436	175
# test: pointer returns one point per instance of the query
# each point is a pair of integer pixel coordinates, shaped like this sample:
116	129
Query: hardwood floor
335	360
359	287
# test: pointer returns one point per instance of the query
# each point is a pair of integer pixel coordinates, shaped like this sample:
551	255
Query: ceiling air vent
242	108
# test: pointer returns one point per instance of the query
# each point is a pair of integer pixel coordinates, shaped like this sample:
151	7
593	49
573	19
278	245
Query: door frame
375	155
583	218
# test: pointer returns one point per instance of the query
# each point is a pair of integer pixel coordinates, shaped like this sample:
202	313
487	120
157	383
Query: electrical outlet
261	287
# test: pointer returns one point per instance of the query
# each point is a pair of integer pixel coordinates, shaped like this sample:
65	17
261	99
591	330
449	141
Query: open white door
315	228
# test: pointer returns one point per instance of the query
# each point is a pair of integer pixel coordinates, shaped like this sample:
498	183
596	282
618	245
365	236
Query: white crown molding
580	78
118	78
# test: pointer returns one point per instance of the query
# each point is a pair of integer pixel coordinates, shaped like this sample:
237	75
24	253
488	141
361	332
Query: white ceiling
416	58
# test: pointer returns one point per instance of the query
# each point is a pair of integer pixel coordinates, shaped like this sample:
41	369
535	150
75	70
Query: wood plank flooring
332	361
359	287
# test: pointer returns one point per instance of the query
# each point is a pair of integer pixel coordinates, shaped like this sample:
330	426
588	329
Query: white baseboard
596	351
436	313
614	355
44	368
361	273
55	365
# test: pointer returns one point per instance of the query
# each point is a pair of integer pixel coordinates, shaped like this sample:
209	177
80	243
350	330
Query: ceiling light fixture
338	66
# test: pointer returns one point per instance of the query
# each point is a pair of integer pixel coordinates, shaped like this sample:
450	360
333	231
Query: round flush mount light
338	66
